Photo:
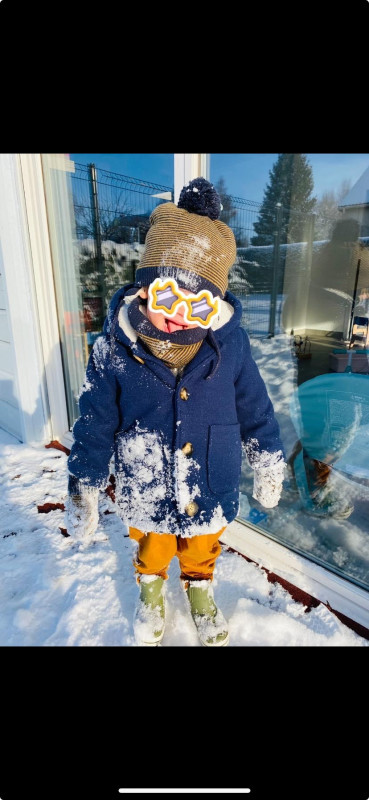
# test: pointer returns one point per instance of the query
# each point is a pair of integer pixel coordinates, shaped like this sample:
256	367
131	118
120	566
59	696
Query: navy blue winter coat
177	441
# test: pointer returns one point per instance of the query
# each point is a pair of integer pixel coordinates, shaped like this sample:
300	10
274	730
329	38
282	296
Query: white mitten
81	513
268	483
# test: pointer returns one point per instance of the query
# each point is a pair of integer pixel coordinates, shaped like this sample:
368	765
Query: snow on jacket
177	440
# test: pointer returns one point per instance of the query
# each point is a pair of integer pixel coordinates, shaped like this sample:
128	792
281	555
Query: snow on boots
149	619
211	626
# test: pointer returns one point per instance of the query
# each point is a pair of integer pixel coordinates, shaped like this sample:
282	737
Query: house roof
359	194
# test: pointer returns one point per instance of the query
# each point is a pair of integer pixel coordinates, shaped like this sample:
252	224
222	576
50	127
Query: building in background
355	204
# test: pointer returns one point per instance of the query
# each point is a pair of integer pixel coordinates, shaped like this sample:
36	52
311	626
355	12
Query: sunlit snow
56	591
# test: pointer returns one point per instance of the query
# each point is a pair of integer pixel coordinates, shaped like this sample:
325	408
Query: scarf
175	349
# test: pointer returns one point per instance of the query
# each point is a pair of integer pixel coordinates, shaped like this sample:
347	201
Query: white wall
9	404
23	396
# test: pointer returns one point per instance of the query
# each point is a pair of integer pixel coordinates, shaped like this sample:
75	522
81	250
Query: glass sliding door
301	223
98	219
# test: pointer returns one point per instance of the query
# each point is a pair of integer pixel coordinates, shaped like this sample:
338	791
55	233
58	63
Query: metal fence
257	276
116	207
268	262
112	214
112	218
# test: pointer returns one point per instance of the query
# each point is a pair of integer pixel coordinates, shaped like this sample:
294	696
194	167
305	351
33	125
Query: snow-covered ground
256	314
55	591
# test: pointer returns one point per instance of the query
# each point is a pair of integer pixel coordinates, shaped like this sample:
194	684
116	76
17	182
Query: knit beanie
188	242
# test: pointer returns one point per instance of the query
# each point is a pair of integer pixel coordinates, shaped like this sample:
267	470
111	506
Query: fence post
92	176
310	243
351	324
273	297
310	238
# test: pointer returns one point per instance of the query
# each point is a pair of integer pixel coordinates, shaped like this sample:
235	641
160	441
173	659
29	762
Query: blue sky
155	167
246	174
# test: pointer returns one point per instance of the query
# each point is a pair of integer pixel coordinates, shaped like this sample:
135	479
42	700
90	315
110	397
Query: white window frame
188	166
340	594
35	202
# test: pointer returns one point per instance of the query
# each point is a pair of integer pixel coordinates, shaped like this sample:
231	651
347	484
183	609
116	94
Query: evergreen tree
291	184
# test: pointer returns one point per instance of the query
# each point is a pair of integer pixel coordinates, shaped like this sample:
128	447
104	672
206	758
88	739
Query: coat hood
117	325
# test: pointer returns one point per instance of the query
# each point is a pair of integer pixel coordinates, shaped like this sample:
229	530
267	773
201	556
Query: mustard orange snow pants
196	555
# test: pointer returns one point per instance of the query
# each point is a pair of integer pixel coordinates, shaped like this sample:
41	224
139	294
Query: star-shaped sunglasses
165	297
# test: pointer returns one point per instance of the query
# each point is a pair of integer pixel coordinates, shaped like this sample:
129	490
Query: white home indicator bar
184	791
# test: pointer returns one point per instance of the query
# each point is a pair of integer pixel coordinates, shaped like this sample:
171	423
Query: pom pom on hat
188	242
200	197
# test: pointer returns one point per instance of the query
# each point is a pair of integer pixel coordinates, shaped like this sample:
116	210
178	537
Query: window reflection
302	275
112	214
98	222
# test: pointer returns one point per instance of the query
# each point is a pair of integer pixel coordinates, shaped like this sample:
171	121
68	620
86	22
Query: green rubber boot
210	624
149	618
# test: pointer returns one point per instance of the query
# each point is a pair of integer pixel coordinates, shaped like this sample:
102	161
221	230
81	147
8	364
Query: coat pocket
224	458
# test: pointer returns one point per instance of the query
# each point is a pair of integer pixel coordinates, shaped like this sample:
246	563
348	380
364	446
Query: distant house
356	203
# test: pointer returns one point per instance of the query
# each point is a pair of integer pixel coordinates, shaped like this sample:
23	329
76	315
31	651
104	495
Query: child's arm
259	430
93	446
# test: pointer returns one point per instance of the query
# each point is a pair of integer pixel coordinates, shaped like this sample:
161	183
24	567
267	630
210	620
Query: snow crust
57	591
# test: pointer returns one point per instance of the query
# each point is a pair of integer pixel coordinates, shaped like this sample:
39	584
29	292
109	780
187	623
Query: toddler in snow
172	391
